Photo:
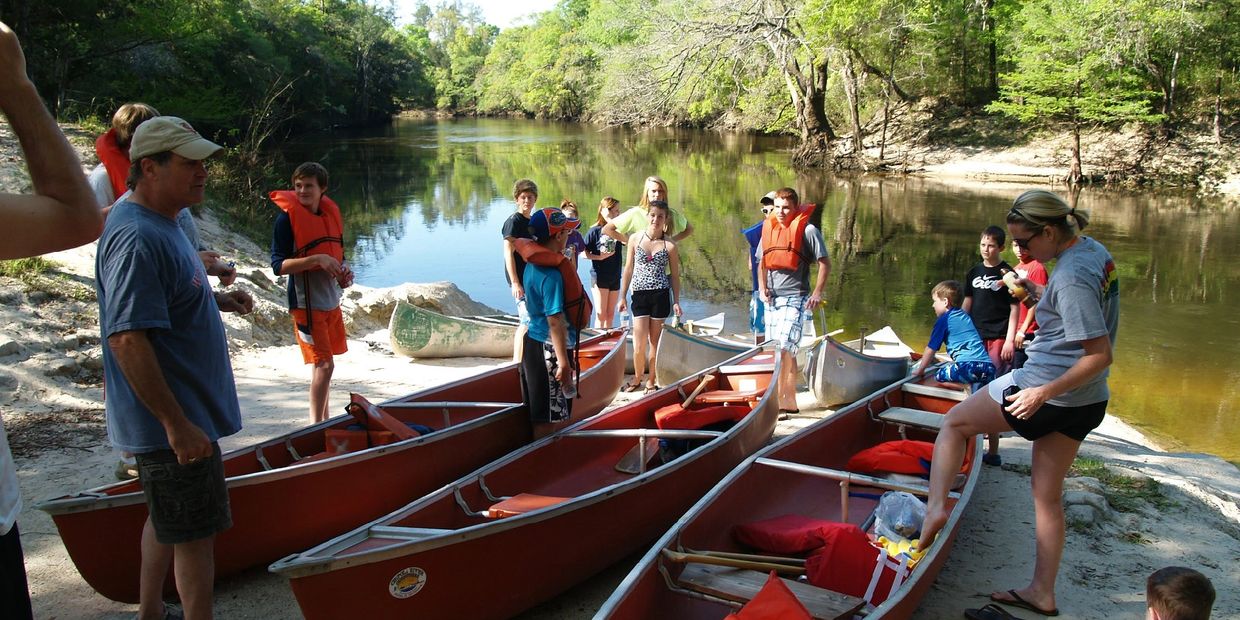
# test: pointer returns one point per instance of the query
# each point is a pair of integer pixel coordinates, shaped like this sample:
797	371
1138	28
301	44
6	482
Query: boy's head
946	295
569	208
126	120
991	245
1178	593
309	183
525	193
787	205
551	227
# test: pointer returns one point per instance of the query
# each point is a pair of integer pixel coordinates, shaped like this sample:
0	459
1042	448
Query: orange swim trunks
323	337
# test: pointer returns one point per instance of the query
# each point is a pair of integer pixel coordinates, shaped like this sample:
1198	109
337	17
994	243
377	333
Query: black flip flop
989	612
1017	601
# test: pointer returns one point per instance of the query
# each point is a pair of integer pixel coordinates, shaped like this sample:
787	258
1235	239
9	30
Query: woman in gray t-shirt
1060	394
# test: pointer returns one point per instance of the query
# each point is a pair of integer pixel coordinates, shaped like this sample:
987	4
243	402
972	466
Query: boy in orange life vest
789	246
307	245
546	360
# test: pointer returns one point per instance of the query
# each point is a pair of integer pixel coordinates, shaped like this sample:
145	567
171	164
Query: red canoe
700	569
290	492
531	525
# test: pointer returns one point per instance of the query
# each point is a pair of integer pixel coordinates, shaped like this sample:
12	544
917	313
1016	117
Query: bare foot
935	520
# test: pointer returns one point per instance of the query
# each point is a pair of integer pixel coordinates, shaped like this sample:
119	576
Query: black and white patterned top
650	270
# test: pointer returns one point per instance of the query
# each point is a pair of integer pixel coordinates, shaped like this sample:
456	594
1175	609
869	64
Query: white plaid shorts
784	318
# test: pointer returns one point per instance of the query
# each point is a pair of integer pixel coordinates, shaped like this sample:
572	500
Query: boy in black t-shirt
517	226
994	312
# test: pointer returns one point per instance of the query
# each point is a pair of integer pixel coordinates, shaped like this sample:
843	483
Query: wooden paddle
686	558
634	461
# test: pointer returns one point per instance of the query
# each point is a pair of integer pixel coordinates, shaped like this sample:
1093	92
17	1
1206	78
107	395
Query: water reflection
424	201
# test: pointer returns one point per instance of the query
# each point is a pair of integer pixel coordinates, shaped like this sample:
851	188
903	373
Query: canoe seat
522	503
595	351
716	397
934	390
912	417
740	585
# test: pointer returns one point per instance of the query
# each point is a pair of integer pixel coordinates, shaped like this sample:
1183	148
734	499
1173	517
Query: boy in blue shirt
970	363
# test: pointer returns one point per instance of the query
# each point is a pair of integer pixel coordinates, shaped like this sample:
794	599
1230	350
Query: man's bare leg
156	558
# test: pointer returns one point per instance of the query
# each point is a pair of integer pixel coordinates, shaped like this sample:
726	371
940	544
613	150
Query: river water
425	201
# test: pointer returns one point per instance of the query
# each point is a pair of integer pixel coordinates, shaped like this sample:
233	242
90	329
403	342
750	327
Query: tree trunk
809	99
854	112
988	23
1218	108
1074	172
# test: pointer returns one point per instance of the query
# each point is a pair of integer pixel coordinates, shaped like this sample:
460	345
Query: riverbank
50	394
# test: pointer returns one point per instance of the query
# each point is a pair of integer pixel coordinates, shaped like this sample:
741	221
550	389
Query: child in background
517	226
576	243
307	245
605	254
970	363
1030	269
1178	593
994	311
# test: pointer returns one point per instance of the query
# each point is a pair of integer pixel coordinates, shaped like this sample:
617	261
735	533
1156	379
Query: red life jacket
782	245
577	305
321	233
114	160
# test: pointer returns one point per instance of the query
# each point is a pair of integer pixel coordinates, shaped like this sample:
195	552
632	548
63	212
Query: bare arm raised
62	212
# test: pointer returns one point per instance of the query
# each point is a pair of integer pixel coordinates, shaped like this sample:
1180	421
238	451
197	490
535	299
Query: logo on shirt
1110	281
987	283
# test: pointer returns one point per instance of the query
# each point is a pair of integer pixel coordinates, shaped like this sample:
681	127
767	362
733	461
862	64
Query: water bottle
625	321
570	391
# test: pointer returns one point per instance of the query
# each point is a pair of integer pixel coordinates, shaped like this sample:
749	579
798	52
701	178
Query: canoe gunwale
296	565
96	499
932	560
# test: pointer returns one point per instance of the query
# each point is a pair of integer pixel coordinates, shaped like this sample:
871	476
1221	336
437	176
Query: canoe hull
754	491
838	373
418	332
526	554
682	353
288	509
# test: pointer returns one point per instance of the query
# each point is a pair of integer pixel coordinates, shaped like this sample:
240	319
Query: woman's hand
676	309
1023	404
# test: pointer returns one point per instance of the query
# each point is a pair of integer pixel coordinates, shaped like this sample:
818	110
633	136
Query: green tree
1070	69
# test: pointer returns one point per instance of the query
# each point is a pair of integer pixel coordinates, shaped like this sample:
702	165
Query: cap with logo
169	133
546	223
768	199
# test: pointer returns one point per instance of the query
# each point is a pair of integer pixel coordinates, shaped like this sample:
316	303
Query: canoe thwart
741	585
912	417
935	391
522	503
448	404
644	433
406	533
849	477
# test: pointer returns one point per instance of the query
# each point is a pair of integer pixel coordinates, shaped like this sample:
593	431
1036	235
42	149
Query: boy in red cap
546	362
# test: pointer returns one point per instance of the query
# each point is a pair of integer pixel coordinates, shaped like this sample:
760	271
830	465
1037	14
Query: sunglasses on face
1024	243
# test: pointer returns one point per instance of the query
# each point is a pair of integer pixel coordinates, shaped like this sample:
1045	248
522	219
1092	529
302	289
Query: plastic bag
899	515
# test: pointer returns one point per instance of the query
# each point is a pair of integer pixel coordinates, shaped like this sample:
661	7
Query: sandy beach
51	399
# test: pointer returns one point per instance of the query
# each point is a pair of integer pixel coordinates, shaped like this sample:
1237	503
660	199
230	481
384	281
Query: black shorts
1075	422
542	393
654	303
186	502
609	282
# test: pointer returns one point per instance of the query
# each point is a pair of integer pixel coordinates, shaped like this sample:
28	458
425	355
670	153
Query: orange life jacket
321	233
782	245
114	160
577	305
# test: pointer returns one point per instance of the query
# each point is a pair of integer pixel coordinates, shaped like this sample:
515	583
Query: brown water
425	201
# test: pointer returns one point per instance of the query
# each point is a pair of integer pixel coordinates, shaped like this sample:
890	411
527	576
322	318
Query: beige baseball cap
169	133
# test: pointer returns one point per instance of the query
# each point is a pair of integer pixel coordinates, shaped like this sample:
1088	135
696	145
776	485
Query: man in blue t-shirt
753	234
170	392
546	363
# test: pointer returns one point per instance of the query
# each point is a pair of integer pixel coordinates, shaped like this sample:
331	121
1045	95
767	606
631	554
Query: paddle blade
631	462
